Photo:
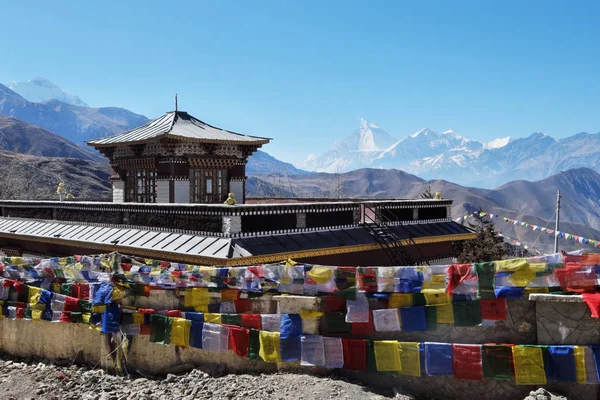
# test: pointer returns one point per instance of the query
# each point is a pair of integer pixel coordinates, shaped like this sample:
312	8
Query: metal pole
557	221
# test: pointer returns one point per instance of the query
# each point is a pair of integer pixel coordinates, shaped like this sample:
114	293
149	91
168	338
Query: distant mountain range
40	89
533	202
75	123
450	156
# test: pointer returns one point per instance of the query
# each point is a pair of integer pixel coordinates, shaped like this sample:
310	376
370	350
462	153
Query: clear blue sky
305	72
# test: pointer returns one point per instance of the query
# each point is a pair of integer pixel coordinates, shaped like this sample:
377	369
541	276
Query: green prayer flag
419	299
27	313
254	347
486	273
84	306
371	364
467	313
76	317
336	323
66	289
431	317
497	362
231	319
160	329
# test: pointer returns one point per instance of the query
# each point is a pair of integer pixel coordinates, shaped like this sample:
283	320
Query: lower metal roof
187	246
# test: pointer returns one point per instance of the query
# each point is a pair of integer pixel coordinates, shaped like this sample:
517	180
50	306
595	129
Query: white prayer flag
386	320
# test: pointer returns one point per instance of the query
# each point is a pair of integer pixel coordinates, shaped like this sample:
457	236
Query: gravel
34	379
31	378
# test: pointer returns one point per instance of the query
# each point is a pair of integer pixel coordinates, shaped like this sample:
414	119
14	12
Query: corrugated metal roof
133	238
178	124
133	241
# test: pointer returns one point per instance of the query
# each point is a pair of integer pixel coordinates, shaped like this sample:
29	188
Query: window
140	186
208	185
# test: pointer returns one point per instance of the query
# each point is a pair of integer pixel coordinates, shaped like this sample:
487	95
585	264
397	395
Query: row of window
206	186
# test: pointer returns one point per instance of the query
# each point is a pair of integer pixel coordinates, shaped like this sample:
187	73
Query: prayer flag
334	352
467	361
466	313
269	346
180	332
355	354
387	355
386	320
413	318
410	356
529	365
497	362
438	358
313	351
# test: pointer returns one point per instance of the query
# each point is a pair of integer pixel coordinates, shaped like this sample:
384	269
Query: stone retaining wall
544	319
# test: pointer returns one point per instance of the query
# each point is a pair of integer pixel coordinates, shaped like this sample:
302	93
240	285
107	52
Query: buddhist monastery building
177	158
171	178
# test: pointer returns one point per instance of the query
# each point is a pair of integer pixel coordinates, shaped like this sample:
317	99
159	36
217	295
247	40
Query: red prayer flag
20	313
147	311
355	354
145	329
590	259
493	309
574	278
367	278
242	305
457	273
467	361
363	328
335	304
71	304
239	340
593	302
174	313
251	321
65	316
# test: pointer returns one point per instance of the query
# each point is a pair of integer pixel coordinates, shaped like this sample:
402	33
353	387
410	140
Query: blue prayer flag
196	333
111	322
413	318
438	358
561	364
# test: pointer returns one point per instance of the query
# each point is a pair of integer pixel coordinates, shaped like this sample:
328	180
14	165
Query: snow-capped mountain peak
422	132
498	143
41	89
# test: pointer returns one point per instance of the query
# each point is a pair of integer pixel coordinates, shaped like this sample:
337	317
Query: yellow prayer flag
119	291
410	358
538	267
196	297
202	309
290	263
434	287
15	260
86	318
579	352
229	295
399	300
511	265
269	346
138	318
444	313
180	332
438	278
35	293
212	318
320	274
523	276
36	315
529	365
207	271
387	355
437	298
98	309
304	313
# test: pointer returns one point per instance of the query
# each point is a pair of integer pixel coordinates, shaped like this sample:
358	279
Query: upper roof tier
178	125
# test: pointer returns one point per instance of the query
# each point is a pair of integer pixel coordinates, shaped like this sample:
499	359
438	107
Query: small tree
487	246
426	194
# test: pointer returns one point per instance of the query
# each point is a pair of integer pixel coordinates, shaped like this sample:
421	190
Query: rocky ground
37	379
40	379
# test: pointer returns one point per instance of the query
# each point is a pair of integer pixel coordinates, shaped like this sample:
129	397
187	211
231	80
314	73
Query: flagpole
557	221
